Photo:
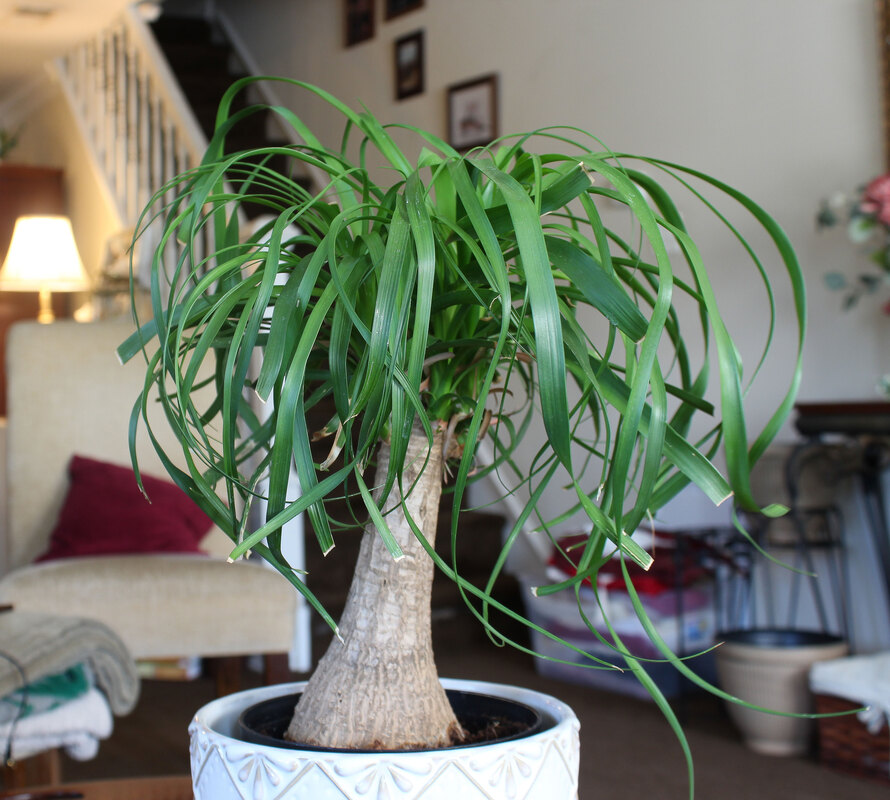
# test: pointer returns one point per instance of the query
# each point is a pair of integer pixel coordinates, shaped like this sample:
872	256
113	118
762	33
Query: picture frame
408	60
473	112
395	8
883	13
358	21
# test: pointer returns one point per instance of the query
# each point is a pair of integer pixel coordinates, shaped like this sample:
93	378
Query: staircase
145	100
201	61
139	131
205	64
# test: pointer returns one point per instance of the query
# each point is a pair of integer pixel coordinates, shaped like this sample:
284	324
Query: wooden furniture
43	768
159	788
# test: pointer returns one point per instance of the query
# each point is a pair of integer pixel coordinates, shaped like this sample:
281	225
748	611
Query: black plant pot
485	718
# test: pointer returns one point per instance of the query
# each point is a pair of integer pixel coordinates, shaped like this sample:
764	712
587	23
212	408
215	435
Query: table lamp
43	258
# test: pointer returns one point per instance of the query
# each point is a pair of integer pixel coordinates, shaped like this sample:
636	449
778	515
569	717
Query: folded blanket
47	644
860	679
75	726
46	694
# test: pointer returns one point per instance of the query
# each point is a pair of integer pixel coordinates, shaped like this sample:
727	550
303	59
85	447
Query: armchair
68	395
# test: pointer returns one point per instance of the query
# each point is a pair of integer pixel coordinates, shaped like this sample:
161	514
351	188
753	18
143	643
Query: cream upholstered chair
68	394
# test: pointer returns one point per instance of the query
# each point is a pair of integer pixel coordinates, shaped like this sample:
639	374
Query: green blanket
45	694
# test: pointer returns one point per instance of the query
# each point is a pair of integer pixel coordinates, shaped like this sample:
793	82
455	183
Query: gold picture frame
883	12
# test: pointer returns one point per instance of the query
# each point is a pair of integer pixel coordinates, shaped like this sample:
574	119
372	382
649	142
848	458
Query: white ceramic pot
541	766
770	668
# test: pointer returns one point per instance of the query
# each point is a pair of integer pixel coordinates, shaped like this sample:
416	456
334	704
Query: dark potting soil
492	730
485	719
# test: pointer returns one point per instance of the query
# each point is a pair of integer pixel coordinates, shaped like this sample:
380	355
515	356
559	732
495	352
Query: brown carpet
627	749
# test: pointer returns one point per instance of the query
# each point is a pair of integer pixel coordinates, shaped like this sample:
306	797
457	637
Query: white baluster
107	92
120	113
157	135
128	105
132	61
143	136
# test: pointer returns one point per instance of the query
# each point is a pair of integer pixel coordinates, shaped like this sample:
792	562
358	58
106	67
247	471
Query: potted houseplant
436	303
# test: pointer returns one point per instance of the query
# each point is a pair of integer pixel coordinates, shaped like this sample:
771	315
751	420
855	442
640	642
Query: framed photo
408	57
884	64
395	8
358	18
473	112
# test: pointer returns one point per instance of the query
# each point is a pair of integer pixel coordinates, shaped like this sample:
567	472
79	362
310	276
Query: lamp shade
43	257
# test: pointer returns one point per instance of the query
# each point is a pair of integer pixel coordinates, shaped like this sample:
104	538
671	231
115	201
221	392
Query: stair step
251	129
203	66
174	28
204	85
197	57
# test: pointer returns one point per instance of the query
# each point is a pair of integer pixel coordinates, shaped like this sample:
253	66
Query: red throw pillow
104	513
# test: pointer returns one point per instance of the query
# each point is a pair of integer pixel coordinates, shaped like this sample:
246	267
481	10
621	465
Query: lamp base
45	314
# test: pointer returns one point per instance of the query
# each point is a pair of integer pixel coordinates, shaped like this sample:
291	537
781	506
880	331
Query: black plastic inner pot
486	718
778	637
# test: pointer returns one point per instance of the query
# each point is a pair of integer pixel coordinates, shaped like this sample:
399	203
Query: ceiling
33	32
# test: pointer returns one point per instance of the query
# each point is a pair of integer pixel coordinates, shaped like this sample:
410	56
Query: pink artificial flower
876	199
886	308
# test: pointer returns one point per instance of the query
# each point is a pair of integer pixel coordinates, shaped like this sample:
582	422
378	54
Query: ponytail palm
436	303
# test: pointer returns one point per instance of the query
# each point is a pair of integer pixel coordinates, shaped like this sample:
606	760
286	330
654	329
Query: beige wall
779	97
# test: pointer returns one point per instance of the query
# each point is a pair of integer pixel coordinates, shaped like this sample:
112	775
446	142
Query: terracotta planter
770	668
539	766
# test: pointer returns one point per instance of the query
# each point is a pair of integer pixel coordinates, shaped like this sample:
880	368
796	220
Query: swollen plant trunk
378	688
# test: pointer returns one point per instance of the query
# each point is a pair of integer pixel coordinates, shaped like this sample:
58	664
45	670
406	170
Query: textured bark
378	688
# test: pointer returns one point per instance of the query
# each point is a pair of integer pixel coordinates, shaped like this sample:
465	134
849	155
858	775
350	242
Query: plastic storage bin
689	632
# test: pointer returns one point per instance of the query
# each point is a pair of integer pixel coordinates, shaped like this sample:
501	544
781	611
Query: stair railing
132	113
139	129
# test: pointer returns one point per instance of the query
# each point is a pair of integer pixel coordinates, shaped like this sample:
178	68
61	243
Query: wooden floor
628	751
